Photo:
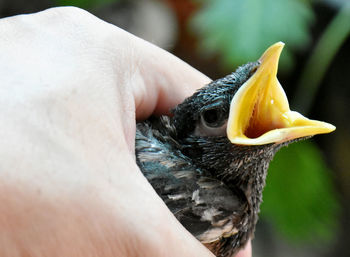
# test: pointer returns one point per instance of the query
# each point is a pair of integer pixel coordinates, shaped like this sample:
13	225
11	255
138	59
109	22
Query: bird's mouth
259	111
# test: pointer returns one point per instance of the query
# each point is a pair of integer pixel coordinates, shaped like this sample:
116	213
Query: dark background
306	209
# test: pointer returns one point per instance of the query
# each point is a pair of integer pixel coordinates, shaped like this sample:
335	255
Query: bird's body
212	185
220	210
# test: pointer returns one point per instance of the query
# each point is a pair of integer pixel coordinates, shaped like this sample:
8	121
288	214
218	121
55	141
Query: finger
167	80
246	251
158	79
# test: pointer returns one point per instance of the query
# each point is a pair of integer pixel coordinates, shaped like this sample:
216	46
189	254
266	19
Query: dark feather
204	205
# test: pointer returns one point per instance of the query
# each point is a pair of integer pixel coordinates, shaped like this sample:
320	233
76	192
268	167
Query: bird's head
233	126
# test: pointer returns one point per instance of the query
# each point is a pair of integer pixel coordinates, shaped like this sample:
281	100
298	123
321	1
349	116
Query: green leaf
299	198
240	30
85	4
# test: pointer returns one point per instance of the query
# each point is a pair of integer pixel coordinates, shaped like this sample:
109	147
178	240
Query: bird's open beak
259	111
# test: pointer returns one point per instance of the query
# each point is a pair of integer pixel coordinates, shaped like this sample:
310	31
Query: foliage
322	55
299	198
240	31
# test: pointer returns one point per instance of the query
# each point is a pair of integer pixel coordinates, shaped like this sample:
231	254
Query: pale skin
71	89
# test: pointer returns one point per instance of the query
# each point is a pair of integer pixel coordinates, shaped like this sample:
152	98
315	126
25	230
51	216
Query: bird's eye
212	123
212	118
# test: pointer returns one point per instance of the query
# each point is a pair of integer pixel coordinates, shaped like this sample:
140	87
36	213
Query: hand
71	89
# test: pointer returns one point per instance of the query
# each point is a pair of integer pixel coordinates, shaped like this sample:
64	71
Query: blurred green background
306	209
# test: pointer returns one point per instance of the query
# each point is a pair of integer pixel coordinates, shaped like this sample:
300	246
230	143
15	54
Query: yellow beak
259	111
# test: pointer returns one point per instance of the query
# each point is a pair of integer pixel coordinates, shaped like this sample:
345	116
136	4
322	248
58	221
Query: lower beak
259	111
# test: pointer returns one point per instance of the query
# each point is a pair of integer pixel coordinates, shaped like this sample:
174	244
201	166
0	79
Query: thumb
167	80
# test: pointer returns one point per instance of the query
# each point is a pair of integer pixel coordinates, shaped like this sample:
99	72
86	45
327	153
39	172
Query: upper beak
259	111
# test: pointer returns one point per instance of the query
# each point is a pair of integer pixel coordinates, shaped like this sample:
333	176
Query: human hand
72	87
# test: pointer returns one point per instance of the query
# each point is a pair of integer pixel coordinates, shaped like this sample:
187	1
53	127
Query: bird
208	161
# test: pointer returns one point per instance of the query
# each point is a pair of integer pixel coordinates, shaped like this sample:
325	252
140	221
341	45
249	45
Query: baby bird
208	162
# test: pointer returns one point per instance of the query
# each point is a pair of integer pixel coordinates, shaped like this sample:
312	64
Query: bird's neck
253	184
241	168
